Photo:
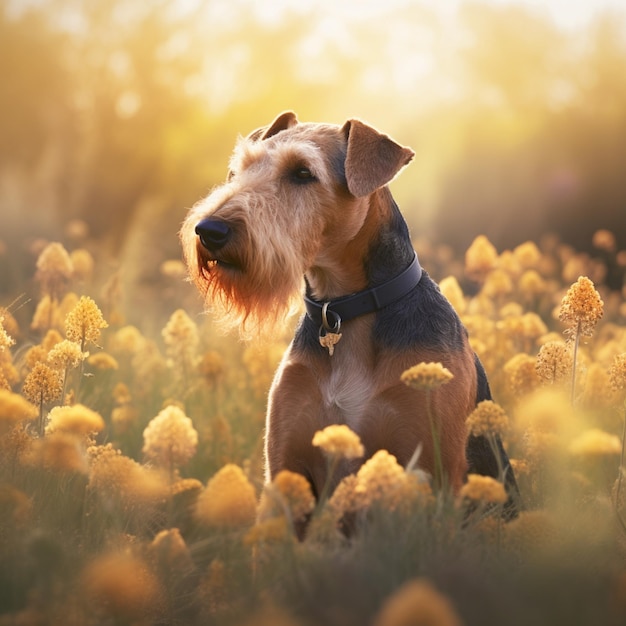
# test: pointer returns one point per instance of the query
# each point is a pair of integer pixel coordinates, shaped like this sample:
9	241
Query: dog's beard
254	295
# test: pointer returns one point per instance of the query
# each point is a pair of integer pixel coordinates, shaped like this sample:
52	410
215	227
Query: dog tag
329	341
329	334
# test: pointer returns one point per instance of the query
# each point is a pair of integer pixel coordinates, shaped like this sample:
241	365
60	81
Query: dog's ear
282	122
372	159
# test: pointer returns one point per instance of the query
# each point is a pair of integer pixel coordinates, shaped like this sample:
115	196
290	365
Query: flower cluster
288	494
84	322
228	501
488	418
554	362
76	419
581	307
426	376
339	441
617	372
170	438
381	481
483	489
480	258
418	602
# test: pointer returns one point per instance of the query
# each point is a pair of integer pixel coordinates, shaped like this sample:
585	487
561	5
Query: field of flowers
131	470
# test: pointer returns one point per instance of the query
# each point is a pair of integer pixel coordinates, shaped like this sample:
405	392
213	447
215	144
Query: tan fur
364	391
284	232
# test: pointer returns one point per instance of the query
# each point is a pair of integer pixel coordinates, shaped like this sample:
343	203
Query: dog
306	210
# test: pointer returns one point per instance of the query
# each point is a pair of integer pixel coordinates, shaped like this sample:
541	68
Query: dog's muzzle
213	234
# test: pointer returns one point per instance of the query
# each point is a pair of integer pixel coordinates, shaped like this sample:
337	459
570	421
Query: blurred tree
541	142
124	114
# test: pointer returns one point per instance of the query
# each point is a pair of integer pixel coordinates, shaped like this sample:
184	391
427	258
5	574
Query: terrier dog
306	210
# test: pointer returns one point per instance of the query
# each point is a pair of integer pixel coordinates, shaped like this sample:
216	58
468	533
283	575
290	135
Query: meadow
131	470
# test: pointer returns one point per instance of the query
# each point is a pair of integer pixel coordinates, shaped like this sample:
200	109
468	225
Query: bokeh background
118	115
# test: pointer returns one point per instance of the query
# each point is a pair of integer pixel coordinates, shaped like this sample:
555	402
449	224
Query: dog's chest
347	383
347	391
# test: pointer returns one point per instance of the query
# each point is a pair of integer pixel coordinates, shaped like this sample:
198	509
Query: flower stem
332	466
576	343
620	477
434	429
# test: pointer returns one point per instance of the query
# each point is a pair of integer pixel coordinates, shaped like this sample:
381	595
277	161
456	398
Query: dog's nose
213	233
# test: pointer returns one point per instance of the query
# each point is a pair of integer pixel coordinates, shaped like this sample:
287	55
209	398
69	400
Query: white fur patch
349	389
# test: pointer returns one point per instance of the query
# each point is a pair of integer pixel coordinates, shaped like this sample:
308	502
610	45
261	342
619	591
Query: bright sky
569	14
566	13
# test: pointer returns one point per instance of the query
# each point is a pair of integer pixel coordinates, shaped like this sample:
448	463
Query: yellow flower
186	486
84	322
595	442
487	418
290	493
65	355
533	326
597	392
128	340
14	408
76	419
451	289
345	498
604	240
497	283
51	339
4	383
417	603
60	452
180	336
483	489
170	438
117	478
45	315
9	323
527	254
381	481
103	361
122	587
54	269
581	307
5	340
121	394
531	284
617	373
379	476
83	264
170	551
480	258
426	376
228	500
122	417
554	362
339	441
42	385
521	374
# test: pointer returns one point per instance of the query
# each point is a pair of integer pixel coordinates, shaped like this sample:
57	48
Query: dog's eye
303	175
230	175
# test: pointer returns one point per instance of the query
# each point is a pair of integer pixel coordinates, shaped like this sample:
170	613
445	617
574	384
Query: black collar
332	313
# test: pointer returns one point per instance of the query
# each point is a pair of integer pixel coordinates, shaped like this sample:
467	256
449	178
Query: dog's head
295	202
